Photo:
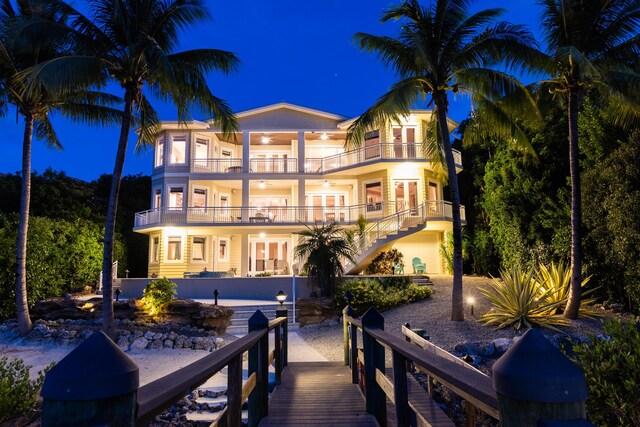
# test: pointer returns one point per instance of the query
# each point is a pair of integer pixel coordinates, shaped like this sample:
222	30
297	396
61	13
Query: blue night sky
297	51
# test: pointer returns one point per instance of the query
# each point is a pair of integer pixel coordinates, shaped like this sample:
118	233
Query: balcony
280	215
273	165
369	154
221	165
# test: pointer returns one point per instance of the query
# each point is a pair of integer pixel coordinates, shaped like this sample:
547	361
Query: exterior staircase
380	234
421	280
241	315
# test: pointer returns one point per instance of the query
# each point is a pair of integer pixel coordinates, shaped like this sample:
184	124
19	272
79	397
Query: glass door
406	194
268	256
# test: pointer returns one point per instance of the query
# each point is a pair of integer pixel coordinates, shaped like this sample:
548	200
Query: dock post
537	385
95	384
259	363
347	311
373	361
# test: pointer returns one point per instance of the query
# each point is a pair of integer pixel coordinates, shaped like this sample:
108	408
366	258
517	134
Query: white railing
274	165
221	165
382	151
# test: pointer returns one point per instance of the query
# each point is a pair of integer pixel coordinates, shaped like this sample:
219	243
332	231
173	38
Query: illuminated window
199	248
175	197
373	195
178	149
199	198
159	152
157	199
155	249
223	250
174	248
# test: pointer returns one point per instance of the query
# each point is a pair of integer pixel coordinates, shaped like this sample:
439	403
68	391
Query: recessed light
263	235
326	183
265	139
324	136
262	184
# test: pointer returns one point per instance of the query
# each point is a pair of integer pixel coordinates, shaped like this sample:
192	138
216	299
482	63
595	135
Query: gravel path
434	315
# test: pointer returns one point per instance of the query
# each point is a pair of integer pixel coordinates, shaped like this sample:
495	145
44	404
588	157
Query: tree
324	247
31	34
133	43
442	49
593	48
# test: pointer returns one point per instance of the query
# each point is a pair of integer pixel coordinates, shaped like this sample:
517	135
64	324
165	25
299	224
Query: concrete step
421	280
245	314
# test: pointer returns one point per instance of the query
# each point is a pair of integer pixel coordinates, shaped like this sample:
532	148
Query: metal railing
274	165
222	165
382	151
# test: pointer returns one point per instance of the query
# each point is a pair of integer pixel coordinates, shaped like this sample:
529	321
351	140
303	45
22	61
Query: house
232	204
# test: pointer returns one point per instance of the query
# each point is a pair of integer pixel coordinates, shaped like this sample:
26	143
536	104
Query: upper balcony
371	154
436	210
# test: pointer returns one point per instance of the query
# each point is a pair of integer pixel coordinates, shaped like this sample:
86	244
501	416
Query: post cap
96	369
534	370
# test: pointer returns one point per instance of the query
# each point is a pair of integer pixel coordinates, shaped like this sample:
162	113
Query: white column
245	201
245	151
301	152
244	255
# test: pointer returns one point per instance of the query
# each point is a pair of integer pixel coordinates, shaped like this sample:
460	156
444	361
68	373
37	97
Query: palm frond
43	129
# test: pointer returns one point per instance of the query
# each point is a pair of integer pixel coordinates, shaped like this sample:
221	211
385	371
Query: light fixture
324	136
281	311
263	235
215	296
281	297
471	301
262	184
325	183
265	139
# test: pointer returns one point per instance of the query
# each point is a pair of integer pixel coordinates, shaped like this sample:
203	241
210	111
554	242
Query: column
245	151
245	201
301	193
301	153
244	255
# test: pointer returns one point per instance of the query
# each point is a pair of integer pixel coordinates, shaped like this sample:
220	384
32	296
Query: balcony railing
436	210
223	165
382	151
274	165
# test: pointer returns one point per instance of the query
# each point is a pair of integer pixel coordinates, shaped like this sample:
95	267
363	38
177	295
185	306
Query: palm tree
31	34
444	49
593	46
132	43
324	247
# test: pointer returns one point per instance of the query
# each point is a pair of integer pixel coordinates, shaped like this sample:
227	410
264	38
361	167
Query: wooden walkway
317	394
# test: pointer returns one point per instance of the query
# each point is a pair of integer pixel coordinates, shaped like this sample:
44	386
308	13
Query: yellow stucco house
231	206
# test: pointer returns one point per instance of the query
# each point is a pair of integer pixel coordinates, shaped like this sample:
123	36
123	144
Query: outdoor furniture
418	266
398	269
271	266
234	169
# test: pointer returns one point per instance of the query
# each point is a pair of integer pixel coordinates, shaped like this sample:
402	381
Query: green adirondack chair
418	266
398	269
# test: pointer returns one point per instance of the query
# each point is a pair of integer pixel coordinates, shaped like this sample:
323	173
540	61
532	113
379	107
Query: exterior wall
285	118
424	245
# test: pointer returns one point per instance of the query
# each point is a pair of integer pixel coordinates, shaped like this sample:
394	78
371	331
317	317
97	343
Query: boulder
501	345
316	311
477	348
139	344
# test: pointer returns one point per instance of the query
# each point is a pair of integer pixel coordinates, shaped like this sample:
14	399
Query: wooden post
95	384
283	312
534	382
347	311
234	392
354	354
373	360
259	363
400	389
277	353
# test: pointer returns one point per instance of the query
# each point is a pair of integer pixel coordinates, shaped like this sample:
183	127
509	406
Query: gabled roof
346	123
286	105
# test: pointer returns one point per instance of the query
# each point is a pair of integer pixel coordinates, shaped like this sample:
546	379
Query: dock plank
317	393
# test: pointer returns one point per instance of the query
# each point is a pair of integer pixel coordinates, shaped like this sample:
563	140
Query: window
433	191
175	197
202	148
372	144
225	153
157	198
178	149
155	249
199	249
174	248
159	152
199	198
224	201
373	194
223	250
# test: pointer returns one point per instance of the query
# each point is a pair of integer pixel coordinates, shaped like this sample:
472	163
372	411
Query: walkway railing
219	165
273	165
371	153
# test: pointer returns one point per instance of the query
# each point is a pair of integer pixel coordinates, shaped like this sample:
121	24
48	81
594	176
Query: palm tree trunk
22	306
573	303
108	324
457	307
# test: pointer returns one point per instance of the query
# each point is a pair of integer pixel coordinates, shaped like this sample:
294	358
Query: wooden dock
317	393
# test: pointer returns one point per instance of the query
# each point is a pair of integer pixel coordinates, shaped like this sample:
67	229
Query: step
245	314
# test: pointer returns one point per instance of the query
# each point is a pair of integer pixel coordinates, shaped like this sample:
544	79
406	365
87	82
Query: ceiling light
262	184
326	183
324	136
263	235
265	139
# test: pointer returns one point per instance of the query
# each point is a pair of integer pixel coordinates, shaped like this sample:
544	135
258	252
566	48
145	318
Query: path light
281	311
281	297
126	274
471	301
215	296
349	296
118	292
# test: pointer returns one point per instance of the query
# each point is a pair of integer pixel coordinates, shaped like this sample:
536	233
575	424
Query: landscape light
215	296
281	297
471	301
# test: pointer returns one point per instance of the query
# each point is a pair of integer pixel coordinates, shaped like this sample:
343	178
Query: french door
406	194
268	255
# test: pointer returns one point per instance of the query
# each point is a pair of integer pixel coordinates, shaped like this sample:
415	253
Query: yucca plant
518	302
554	282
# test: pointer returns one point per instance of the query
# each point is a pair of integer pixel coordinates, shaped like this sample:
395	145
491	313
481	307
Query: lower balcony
284	215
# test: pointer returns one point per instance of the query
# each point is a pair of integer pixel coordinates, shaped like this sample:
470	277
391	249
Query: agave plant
517	301
554	282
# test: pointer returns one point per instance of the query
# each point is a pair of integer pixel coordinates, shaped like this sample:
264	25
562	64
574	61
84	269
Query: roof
286	105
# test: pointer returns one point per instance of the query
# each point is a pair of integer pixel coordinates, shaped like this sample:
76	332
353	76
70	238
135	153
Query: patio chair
398	269
271	266
418	266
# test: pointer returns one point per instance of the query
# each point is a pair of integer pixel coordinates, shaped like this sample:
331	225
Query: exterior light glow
471	301
281	297
262	184
263	235
265	139
326	183
324	136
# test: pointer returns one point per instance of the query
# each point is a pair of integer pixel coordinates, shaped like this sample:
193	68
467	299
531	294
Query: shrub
18	394
399	282
263	274
383	263
157	295
518	301
371	293
612	369
554	281
446	249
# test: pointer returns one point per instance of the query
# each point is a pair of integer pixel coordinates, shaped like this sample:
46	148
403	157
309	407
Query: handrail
155	396
472	385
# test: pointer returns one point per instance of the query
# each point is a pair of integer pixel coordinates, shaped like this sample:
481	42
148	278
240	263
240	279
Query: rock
168	343
157	336
501	345
123	342
157	344
139	344
472	360
478	348
179	341
149	335
137	333
172	336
